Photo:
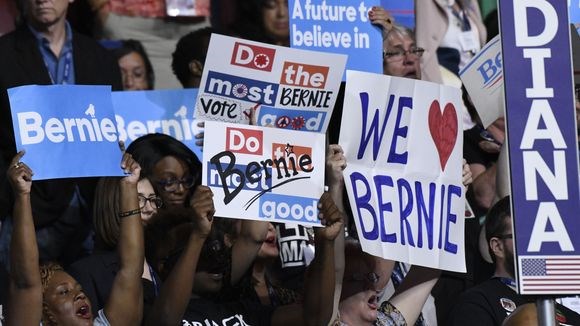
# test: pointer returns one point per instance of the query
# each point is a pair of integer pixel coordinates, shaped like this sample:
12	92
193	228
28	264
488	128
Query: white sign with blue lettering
66	136
483	79
403	142
296	88
264	174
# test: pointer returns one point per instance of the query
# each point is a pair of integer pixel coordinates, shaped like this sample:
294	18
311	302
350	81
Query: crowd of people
147	249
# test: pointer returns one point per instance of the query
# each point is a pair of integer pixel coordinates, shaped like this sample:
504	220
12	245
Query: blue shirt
61	68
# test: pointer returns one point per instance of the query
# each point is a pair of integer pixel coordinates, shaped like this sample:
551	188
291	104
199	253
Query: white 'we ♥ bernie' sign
403	142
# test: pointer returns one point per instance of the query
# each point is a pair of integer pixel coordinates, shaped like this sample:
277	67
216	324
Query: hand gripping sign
264	174
403	143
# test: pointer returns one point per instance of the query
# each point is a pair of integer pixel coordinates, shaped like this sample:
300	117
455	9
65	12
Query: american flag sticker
549	274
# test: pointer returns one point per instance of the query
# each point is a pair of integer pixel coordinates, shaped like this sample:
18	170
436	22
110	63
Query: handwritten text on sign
403	145
265	174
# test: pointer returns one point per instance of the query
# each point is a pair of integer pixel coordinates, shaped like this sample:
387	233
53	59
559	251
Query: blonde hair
46	273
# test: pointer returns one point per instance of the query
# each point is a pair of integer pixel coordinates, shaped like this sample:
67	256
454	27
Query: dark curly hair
192	46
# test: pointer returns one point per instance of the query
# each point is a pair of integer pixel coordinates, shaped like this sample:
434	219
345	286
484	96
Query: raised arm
246	247
411	295
320	278
125	303
25	296
172	301
335	164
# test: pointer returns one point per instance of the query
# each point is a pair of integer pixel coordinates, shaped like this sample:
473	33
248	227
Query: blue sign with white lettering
543	153
338	27
168	112
66	130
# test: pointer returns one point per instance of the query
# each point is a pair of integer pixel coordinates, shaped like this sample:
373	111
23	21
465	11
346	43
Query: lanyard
508	281
462	18
67	69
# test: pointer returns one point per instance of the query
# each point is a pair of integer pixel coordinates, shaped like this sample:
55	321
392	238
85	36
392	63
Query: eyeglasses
400	54
155	201
504	236
172	185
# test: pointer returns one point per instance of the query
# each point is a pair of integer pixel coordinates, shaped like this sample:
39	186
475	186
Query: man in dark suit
44	50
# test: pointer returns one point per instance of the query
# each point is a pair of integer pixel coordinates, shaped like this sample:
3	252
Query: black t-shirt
492	301
486	304
206	312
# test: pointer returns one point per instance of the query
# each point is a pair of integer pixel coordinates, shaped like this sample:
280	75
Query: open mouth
84	311
373	302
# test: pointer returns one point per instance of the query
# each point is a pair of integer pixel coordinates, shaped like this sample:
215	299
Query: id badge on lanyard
468	41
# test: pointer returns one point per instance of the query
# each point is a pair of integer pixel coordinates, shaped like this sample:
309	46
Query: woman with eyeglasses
172	167
96	273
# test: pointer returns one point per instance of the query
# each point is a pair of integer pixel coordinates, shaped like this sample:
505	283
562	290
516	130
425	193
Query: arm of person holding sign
412	293
174	296
25	294
320	278
125	303
335	165
246	247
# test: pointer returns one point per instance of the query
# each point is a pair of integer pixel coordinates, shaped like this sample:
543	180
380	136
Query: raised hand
202	204
382	18
331	217
335	164
131	168
466	174
20	175
199	136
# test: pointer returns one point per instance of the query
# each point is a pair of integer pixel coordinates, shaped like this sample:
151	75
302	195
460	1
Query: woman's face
269	248
409	65
147	194
173	180
359	297
66	302
134	72
275	15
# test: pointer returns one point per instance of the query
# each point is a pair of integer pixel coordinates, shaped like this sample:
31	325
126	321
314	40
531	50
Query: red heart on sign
443	128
